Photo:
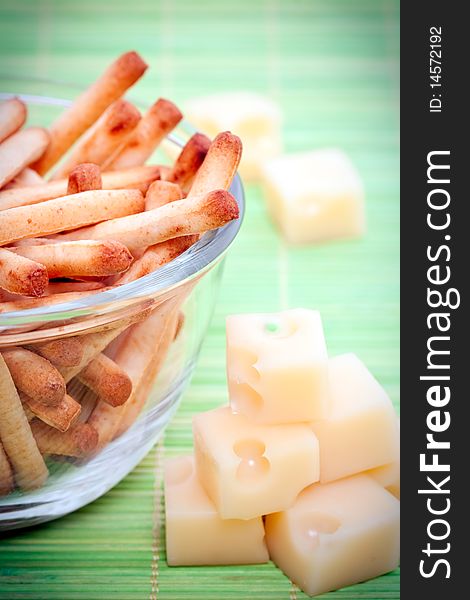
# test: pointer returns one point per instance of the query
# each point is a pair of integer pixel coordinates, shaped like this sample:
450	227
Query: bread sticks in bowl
82	212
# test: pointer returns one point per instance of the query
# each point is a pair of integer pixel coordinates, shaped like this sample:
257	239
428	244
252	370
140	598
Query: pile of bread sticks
102	218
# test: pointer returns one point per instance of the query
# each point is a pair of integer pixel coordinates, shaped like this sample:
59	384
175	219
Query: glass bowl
169	310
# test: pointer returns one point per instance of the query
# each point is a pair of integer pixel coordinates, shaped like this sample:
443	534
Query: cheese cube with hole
277	366
314	196
248	470
336	535
195	534
255	118
361	430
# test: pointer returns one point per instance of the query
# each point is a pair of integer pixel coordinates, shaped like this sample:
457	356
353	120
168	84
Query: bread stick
12	116
78	351
15	434
35	241
142	356
60	417
103	139
20	275
29	415
64	287
183	217
35	376
28	303
84	177
161	193
6	474
79	440
136	178
94	343
156	256
189	160
158	121
109	382
135	404
133	357
7	297
26	178
20	150
64	352
88	400
219	166
179	324
82	258
68	212
152	259
86	109
113	347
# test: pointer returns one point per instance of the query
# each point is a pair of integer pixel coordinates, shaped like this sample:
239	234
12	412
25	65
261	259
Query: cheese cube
255	118
314	196
277	366
250	470
336	535
195	534
388	476
255	151
361	430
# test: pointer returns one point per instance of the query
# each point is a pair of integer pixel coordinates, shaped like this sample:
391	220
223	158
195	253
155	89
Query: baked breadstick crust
29	469
22	275
85	176
35	376
136	178
86	109
13	114
68	212
102	140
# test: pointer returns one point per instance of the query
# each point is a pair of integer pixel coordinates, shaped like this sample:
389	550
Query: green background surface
333	67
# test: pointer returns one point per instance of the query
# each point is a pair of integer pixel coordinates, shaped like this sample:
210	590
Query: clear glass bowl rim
205	252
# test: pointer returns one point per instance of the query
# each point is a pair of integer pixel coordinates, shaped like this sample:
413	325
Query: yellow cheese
361	430
253	117
277	366
314	196
248	470
195	534
388	476
336	535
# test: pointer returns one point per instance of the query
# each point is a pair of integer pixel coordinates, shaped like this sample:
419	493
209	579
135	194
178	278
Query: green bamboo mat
333	66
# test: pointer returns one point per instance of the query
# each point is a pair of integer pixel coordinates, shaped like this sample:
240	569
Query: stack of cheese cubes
309	443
